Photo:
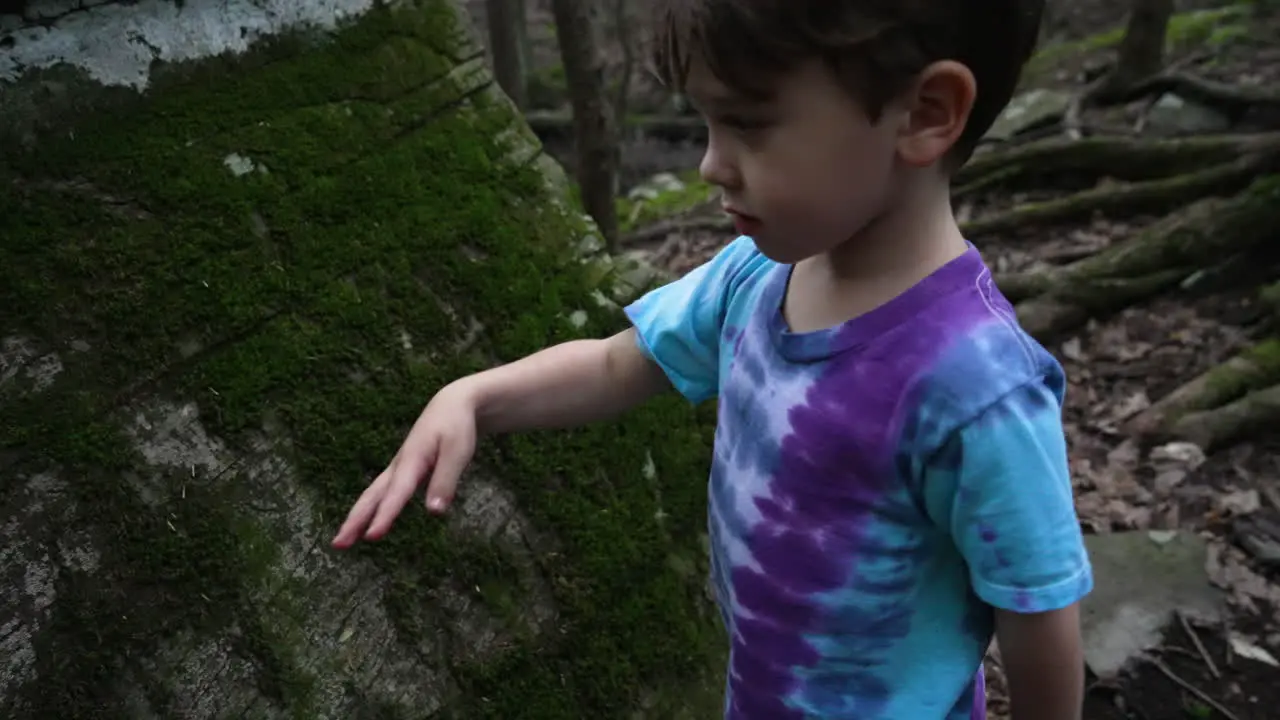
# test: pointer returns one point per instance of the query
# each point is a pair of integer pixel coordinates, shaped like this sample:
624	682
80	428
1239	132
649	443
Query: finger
361	512
450	462
406	474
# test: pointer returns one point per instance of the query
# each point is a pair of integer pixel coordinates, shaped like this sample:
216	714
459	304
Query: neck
917	235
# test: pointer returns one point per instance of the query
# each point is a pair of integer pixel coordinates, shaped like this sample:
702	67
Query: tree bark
506	19
595	130
1141	52
622	29
222	303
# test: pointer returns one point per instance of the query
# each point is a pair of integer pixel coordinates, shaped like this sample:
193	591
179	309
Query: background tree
508	33
1141	52
595	130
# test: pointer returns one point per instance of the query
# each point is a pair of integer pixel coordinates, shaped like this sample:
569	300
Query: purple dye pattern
833	470
979	696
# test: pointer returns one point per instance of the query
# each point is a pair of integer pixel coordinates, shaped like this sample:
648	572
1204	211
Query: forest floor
1119	364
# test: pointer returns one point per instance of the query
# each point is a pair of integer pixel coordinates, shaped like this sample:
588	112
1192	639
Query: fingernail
436	503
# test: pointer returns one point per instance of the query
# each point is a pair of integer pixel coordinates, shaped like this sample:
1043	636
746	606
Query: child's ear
938	107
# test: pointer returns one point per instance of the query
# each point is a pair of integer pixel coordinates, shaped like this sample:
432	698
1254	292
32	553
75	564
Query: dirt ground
1117	366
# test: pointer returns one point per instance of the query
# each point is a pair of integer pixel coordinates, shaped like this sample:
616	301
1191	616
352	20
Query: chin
782	252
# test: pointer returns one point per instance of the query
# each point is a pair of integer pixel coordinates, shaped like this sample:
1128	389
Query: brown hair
875	47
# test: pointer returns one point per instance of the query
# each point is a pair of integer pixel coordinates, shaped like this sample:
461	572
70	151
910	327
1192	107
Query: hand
439	446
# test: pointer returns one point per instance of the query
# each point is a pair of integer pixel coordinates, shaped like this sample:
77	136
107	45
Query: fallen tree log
1152	261
1121	158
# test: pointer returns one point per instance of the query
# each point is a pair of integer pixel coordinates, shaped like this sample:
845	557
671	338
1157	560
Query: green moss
379	170
1188	30
1271	296
640	211
1232	381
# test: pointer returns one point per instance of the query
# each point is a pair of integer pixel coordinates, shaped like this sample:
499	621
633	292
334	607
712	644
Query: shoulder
985	361
740	264
719	280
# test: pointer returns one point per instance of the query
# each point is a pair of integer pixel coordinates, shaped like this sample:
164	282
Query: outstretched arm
566	385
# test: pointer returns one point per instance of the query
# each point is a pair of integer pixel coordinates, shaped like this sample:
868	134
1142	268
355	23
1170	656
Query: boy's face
802	172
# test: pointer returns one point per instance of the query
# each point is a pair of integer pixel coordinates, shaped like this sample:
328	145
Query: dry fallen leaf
1072	350
1184	455
1240	502
1242	646
1130	406
1227	568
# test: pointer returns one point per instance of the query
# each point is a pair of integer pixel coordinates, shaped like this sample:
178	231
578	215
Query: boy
889	485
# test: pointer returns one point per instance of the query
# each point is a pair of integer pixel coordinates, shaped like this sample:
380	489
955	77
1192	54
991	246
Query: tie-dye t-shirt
876	488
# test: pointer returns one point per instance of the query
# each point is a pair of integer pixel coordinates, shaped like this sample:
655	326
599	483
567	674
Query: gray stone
1142	580
1028	110
1173	115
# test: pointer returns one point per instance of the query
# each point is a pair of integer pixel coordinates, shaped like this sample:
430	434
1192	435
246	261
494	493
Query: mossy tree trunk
228	286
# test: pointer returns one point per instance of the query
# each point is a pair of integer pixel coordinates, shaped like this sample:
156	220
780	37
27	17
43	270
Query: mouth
745	224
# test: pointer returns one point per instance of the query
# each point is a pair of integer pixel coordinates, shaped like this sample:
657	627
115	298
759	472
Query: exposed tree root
1152	261
1247	417
1153	196
1050	162
1230	99
1255	369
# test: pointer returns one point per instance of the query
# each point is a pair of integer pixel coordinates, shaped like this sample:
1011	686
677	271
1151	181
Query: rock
1027	111
1260	537
1142	579
243	244
1171	115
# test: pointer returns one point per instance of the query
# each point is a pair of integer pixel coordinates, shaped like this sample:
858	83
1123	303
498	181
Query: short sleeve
1001	486
679	324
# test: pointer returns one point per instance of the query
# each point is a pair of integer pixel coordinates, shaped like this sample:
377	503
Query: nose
717	166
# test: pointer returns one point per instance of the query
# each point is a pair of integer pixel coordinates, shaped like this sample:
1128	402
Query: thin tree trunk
1141	53
523	45
505	21
594	127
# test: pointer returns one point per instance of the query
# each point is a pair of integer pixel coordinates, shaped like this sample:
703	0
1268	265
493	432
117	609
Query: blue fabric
876	488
